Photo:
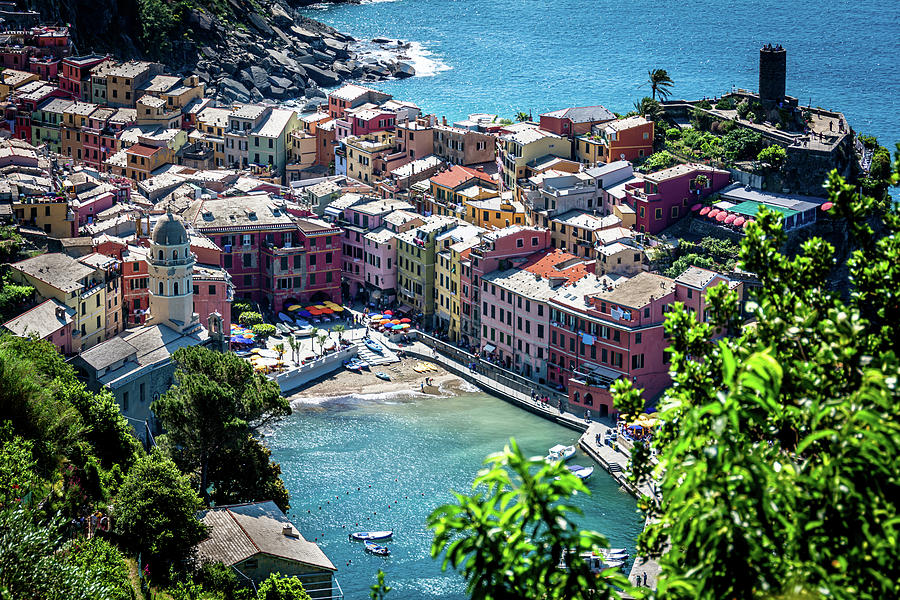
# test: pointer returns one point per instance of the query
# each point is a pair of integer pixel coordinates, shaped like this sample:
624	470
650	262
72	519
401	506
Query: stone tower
772	74
171	266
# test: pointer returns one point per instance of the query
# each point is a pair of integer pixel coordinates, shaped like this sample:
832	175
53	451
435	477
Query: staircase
374	358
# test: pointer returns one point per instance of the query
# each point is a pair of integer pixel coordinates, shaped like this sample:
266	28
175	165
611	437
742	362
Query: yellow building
496	212
443	285
74	284
451	189
458	254
526	146
11	79
49	214
211	125
123	81
367	154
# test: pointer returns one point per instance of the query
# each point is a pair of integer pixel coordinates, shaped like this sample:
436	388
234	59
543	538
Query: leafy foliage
778	449
741	144
683	263
660	82
658	161
209	417
379	589
106	562
277	587
34	565
17	466
250	318
510	535
13	297
263	330
649	108
774	155
156	510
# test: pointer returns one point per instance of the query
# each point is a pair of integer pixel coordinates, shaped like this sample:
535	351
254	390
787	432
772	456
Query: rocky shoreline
285	56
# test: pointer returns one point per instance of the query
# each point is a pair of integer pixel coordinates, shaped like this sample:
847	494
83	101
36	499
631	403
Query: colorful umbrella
721	216
249	335
739	221
404	326
395	321
304	313
705	210
321	306
730	218
310	307
712	214
389	312
696	207
405	320
337	308
827	206
293	307
398	326
747	223
375	317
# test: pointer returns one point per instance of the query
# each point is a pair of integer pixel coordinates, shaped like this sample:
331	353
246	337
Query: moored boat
373	345
383	376
377	550
370	536
560	453
580	472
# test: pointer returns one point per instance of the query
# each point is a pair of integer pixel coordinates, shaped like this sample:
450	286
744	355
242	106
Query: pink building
603	329
50	320
380	255
497	250
274	257
357	221
691	287
416	139
569	122
664	197
516	313
213	291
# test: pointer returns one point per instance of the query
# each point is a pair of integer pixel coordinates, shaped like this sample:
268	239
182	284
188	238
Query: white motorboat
371	536
560	453
580	472
597	562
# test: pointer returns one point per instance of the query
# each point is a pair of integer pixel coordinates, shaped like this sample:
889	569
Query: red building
664	197
602	330
76	71
27	99
570	122
274	257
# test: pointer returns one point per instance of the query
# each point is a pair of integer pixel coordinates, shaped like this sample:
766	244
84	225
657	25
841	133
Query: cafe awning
489	348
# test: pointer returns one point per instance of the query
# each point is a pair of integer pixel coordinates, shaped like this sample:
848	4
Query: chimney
60	312
289	531
444	121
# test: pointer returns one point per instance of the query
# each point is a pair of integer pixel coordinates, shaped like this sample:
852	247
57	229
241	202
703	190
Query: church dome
169	231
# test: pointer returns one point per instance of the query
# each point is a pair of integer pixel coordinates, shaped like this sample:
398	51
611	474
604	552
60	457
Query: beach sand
403	379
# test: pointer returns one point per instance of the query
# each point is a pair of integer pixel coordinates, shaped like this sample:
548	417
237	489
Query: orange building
623	139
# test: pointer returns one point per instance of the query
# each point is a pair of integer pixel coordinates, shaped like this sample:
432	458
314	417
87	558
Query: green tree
295	348
778	445
522	117
209	414
321	338
509	536
692	259
660	82
263	330
774	155
339	330
34	565
17	466
741	144
106	430
13	298
658	161
105	561
276	587
156	511
649	108
250	318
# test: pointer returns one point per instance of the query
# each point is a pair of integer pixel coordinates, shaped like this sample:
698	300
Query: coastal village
534	256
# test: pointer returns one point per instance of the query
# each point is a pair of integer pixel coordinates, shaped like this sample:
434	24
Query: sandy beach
403	379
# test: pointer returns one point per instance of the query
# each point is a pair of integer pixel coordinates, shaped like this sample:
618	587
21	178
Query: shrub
277	587
868	141
725	104
774	155
743	109
659	160
741	144
263	330
673	134
106	563
239	307
250	318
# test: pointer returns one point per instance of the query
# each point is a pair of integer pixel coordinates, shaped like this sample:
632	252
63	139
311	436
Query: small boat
370	536
424	367
383	376
285	318
597	562
304	331
580	472
373	548
373	345
560	452
282	328
353	367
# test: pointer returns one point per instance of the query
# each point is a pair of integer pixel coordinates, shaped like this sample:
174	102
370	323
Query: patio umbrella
696	207
405	320
294	307
730	218
705	210
326	311
321	306
249	335
236	339
304	313
747	223
721	216
389	312
739	221
337	308
395	321
310	307
712	214
827	206
375	317
398	326
404	325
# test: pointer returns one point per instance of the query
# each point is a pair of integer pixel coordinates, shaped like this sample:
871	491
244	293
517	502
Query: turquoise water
399	458
510	55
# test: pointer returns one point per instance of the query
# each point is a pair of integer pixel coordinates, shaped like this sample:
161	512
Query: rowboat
370	536
580	472
383	376
373	548
373	345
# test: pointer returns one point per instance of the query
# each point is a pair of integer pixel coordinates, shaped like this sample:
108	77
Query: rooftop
161	83
697	277
274	123
640	290
55	269
152	101
56	105
250	212
417	166
601	170
130	69
626	123
456	175
240	531
582	114
580	218
82	109
380	207
679	171
350	92
248	111
42	320
531	286
529	136
553	263
142	150
574	295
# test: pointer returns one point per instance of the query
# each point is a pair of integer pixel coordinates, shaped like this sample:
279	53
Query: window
248	280
647	313
124	394
642	212
674	212
312	260
658	214
540	310
520	243
637	361
312	279
98	321
690	294
196	290
637	338
284	263
228	262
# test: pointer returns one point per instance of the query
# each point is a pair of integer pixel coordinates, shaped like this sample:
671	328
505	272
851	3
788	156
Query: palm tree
295	348
339	330
313	336
322	338
659	83
280	349
522	116
649	108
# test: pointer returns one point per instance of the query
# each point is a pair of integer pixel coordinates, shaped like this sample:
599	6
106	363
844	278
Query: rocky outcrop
241	50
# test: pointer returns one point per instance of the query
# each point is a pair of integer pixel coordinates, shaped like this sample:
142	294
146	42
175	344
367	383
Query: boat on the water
597	562
383	376
580	472
377	550
370	536
560	453
373	345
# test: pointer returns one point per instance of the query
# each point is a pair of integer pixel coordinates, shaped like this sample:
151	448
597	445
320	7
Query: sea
386	461
506	56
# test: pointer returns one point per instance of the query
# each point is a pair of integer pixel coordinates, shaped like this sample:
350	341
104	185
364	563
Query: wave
425	62
345	398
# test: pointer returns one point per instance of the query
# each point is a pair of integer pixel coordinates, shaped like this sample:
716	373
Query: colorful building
350	96
629	139
496	212
46	122
268	141
664	197
572	122
574	231
50	320
380	257
464	146
75	75
50	214
525	146
446	195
